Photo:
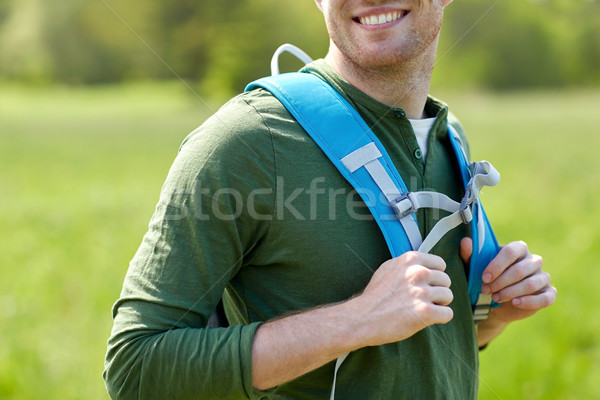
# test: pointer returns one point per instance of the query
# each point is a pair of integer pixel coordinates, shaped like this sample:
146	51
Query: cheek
332	21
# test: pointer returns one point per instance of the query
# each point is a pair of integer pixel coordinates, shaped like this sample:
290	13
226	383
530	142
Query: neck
403	85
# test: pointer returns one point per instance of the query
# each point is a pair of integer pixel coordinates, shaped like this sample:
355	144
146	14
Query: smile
380	19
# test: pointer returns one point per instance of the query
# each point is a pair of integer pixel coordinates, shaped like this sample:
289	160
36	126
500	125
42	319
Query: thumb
466	249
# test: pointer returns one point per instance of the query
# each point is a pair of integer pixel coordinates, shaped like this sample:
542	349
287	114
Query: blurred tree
523	58
23	53
509	45
244	42
219	46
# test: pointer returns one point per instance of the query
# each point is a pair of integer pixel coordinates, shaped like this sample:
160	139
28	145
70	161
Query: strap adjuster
465	206
405	204
482	308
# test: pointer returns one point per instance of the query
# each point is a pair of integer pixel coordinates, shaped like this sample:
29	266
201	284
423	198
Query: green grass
81	169
80	173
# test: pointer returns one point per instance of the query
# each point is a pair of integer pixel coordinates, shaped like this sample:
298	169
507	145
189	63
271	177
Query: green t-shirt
252	206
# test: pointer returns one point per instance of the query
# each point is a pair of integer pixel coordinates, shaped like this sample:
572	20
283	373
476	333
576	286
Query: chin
383	59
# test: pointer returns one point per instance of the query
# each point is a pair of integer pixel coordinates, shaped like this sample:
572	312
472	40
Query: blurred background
97	95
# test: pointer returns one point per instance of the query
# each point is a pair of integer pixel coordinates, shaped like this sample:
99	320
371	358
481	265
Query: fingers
544	298
427	260
440	314
405	295
432	283
441	296
434	308
519	272
421	275
439	278
508	255
516	276
466	249
530	285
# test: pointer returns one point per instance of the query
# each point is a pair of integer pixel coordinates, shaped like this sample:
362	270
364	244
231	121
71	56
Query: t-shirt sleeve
211	216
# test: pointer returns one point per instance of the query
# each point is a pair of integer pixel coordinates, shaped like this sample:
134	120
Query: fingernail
496	297
516	302
485	289
487	277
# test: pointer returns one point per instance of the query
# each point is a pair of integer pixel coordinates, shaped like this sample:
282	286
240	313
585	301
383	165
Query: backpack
363	161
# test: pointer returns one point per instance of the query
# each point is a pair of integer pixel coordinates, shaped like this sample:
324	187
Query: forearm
286	348
402	298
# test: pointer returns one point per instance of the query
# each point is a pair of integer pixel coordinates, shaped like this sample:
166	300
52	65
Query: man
252	205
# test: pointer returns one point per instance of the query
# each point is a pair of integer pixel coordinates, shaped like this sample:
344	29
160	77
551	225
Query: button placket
399	114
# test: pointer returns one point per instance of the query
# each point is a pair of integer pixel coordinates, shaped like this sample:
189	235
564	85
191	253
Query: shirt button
418	154
399	114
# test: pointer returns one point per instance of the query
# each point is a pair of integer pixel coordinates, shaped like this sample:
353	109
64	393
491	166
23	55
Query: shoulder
434	106
242	117
248	121
235	143
455	123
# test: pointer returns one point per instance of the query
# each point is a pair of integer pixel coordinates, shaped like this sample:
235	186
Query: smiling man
254	212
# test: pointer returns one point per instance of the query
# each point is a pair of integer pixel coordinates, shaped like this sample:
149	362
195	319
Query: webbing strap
362	156
425	199
482	174
338	364
391	193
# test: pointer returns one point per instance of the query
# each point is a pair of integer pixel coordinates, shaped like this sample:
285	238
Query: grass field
80	171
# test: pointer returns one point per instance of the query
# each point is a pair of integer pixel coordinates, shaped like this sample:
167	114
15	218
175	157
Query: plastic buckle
466	215
399	203
482	308
465	207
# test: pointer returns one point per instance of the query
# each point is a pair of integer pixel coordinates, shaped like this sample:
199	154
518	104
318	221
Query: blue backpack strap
348	152
358	147
485	244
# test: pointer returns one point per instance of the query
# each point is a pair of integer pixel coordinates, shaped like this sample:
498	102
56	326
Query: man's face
380	33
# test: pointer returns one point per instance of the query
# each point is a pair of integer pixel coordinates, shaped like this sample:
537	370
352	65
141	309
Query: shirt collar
433	107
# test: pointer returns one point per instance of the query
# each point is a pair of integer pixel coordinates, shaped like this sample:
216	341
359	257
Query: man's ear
446	2
320	5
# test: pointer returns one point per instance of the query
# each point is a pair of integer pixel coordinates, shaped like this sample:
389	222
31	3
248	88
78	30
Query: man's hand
514	278
405	295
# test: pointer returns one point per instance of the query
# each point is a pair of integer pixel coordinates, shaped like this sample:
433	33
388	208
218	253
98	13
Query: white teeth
380	19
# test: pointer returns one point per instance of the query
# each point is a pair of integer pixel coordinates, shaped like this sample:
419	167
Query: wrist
355	330
488	329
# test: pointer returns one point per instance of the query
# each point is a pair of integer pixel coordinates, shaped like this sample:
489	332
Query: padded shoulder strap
485	244
350	145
